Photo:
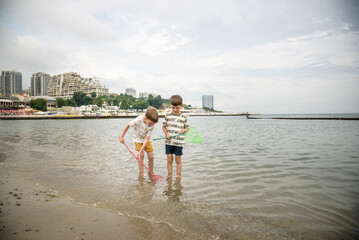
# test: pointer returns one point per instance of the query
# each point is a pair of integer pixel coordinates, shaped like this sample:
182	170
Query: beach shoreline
30	211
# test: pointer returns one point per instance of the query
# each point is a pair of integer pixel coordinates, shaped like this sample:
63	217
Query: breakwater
305	118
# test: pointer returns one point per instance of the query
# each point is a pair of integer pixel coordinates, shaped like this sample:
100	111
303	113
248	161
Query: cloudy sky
278	56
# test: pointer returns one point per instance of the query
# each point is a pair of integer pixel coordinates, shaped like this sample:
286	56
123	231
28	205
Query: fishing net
192	136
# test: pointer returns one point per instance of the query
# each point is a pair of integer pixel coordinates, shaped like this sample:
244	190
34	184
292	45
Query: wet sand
29	211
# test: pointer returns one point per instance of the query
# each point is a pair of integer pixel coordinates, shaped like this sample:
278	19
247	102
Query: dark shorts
174	150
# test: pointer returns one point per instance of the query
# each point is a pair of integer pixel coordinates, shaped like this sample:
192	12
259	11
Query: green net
192	136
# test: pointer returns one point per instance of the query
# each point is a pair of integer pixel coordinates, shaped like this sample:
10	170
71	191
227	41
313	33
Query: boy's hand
182	132
167	136
122	140
139	154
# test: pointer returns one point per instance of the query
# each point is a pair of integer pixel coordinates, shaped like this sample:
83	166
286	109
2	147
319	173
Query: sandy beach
30	211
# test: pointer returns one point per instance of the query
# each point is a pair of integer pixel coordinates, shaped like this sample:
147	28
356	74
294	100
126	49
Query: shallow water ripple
257	176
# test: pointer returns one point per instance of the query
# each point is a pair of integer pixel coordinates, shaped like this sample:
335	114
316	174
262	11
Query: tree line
123	101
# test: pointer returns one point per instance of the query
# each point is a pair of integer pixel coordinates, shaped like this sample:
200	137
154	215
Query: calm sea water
263	179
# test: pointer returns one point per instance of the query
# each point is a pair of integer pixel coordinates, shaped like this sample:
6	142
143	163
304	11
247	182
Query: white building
144	95
207	101
51	101
66	84
131	92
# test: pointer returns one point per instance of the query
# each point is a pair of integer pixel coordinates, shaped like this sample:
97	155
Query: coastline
131	115
30	211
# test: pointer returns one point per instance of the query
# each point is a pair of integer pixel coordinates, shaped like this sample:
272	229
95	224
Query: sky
257	56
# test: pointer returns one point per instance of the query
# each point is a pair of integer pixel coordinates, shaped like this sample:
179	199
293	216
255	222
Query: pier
304	118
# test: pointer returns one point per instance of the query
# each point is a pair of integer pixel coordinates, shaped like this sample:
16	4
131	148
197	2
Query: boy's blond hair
176	100
152	114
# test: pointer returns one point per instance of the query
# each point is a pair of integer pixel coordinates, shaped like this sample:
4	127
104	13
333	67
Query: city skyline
254	56
40	81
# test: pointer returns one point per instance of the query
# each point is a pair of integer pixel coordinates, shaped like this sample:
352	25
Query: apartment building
207	101
143	95
131	92
39	84
10	83
66	84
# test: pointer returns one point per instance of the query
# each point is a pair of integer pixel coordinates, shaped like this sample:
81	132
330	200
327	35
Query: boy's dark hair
152	114
176	100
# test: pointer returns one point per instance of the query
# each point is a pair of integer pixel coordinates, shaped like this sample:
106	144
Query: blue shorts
174	150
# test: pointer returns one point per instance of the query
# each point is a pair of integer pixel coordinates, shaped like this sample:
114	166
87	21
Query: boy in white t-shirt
142	130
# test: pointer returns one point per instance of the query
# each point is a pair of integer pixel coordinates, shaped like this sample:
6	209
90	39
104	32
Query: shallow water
253	178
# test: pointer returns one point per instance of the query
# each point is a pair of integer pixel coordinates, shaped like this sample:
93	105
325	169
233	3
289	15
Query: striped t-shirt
174	124
140	130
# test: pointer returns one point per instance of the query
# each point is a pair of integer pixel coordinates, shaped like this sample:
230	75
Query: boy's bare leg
178	166
140	167
150	161
169	164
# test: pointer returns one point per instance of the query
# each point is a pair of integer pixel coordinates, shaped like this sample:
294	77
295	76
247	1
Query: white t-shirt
140	130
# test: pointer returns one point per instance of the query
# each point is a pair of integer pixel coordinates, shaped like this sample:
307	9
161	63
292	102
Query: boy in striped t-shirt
175	123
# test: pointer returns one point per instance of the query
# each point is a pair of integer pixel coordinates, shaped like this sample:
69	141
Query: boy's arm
186	125
166	133
184	131
122	137
147	139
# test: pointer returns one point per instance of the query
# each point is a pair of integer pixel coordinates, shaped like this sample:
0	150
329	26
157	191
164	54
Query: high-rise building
143	95
207	101
10	83
131	92
66	84
39	84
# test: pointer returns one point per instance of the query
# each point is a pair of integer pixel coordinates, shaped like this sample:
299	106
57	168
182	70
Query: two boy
175	123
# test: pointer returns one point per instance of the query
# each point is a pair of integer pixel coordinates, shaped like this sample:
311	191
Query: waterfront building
10	83
66	84
50	101
207	101
131	92
6	104
144	95
39	84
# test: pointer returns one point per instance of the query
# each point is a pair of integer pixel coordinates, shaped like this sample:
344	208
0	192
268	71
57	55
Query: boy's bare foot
169	176
142	174
178	176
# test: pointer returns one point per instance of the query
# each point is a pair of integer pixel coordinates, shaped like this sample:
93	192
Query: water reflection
2	157
145	189
173	190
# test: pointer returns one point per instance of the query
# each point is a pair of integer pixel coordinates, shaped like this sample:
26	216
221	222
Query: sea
249	178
